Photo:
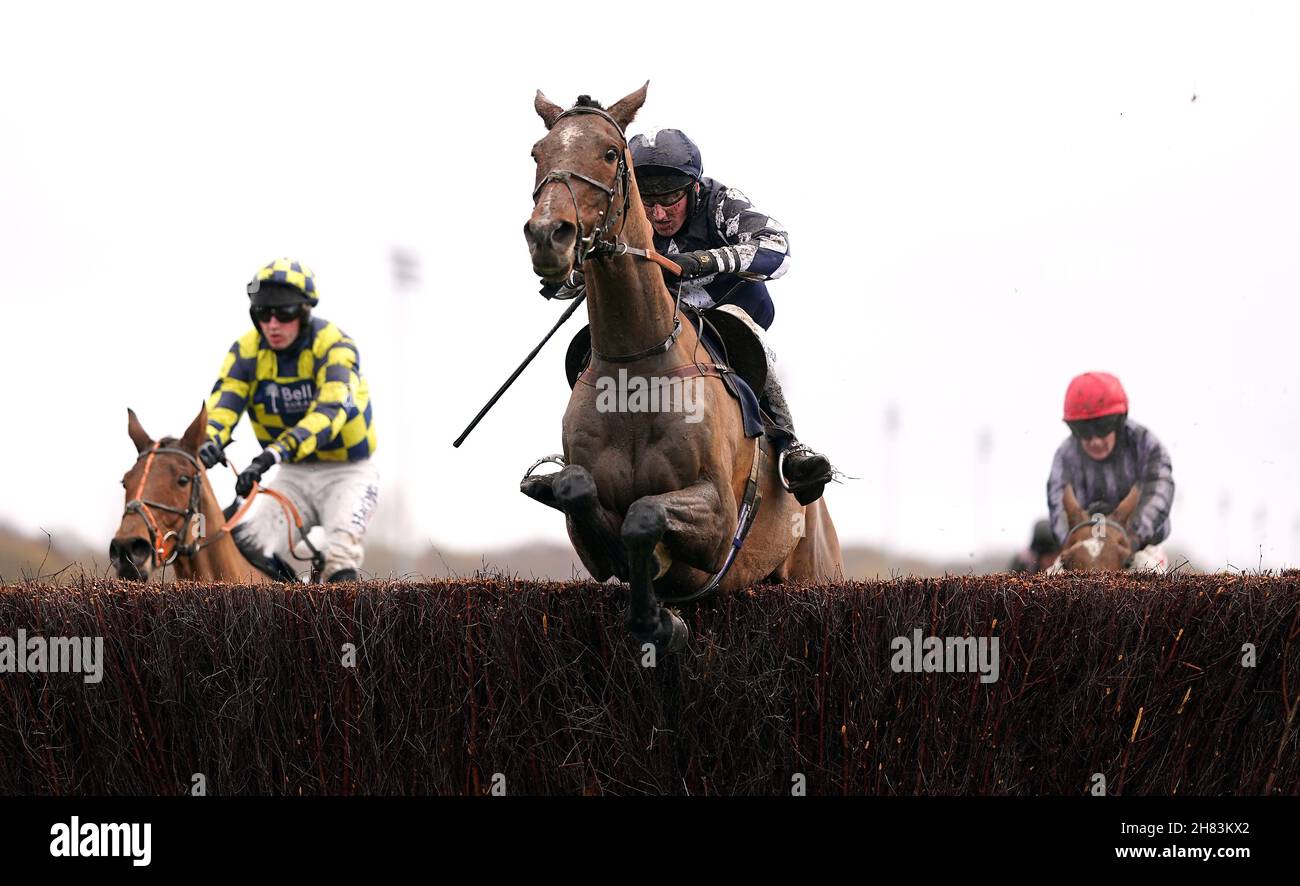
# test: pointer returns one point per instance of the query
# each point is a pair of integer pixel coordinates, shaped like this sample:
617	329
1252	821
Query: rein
600	243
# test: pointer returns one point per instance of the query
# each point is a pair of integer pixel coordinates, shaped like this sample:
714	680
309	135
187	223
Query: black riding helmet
666	161
1044	541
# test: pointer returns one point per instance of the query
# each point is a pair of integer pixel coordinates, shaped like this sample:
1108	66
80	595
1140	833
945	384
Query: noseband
600	243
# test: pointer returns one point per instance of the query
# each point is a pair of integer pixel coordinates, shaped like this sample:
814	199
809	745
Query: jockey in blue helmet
726	249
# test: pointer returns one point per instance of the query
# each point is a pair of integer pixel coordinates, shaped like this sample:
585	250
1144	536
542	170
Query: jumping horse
676	508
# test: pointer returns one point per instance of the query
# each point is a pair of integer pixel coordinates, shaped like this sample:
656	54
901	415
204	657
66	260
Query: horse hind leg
648	620
817	556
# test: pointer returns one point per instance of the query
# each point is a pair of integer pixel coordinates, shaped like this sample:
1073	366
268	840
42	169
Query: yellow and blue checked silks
308	402
294	273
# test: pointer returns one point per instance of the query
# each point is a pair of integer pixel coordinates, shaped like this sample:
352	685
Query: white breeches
338	497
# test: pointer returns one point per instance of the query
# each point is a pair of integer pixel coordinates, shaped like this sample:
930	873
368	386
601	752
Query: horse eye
184	481
611	155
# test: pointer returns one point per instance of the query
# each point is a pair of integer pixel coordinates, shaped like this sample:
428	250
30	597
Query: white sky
983	201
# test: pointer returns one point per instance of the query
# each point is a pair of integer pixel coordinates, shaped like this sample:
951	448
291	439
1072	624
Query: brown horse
1097	543
172	516
650	496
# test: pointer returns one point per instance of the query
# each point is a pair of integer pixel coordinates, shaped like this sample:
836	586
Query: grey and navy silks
1138	458
741	239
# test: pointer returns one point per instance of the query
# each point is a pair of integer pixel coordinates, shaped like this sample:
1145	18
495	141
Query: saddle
727	341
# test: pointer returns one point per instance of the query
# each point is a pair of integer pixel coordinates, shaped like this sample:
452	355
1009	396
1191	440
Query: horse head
1097	542
584	181
164	491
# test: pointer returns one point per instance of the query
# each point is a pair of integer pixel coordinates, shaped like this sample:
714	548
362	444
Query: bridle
597	242
158	539
600	243
145	509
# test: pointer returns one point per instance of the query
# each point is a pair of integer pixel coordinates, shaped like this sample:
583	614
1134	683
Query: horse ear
548	110
194	434
1126	507
1073	513
141	440
625	108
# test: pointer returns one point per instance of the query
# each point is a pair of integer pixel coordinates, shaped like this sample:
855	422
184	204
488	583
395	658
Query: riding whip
522	366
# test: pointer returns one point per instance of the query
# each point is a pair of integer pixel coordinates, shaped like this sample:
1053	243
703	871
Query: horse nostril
562	236
129	557
139	551
553	234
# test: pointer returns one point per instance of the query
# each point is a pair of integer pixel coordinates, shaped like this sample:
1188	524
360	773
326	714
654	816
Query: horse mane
586	101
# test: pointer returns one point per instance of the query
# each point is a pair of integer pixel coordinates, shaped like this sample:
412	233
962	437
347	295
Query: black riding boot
803	472
271	564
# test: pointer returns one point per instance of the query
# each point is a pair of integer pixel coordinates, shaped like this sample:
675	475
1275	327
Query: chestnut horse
1100	542
172	516
650	496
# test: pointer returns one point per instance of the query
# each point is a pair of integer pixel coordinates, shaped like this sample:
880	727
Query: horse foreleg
685	522
574	492
643	530
694	520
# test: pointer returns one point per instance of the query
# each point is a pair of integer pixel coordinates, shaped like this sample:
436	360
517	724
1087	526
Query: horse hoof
539	488
670	635
678	634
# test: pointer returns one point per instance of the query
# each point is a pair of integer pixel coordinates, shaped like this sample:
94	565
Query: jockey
1042	551
726	249
1105	456
300	379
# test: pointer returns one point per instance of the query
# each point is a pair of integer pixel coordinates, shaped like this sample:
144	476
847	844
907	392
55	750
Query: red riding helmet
1093	395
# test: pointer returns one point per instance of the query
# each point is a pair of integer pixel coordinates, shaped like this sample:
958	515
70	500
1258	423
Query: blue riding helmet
665	161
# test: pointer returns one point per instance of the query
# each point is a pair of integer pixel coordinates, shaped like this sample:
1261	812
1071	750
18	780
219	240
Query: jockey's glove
696	264
211	453
251	474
